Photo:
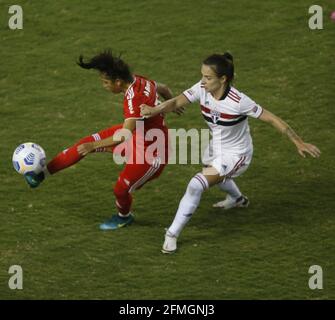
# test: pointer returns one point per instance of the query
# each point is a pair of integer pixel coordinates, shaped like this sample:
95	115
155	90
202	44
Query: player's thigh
241	164
106	133
159	172
109	132
208	156
212	175
136	175
226	165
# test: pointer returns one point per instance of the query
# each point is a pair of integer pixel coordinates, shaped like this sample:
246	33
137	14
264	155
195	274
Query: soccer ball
29	157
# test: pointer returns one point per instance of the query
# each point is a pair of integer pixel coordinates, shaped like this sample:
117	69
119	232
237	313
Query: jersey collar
130	85
225	93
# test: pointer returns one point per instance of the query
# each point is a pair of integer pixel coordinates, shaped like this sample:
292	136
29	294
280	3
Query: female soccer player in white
226	111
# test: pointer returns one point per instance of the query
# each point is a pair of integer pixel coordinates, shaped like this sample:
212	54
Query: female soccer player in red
140	167
226	111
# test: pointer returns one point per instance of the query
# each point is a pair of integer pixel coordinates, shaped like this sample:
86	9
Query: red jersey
144	91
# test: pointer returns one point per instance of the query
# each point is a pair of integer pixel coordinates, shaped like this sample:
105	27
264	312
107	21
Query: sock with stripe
123	199
188	203
124	215
231	188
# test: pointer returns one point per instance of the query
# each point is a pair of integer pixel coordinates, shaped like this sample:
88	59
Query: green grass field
263	252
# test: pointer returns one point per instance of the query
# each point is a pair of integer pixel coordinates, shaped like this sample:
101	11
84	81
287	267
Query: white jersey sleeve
193	94
249	107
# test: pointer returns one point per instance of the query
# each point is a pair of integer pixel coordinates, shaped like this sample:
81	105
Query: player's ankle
122	215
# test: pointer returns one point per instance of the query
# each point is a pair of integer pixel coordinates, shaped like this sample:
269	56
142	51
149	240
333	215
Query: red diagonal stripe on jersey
234	94
233	98
222	115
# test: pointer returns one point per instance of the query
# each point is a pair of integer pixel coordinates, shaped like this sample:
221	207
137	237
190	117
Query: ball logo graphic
28	157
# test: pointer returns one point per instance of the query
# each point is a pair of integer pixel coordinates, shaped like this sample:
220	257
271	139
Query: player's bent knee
198	184
212	175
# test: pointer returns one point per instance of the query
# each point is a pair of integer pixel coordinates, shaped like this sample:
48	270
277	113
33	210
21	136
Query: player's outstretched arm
164	91
171	105
119	136
283	127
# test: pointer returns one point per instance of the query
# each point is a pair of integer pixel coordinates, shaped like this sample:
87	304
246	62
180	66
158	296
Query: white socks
191	199
188	203
124	215
231	188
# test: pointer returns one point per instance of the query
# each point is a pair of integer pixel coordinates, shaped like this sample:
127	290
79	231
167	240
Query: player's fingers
301	153
317	150
145	112
313	153
316	154
181	110
82	150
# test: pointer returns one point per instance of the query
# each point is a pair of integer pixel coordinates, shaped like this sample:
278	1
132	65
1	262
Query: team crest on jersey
215	115
254	109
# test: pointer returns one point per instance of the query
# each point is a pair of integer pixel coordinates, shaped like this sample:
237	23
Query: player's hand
309	149
180	111
85	148
146	111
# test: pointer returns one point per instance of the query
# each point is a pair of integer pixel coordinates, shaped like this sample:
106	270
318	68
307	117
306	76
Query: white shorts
230	165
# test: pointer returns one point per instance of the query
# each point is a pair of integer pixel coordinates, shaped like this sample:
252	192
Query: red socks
123	197
68	157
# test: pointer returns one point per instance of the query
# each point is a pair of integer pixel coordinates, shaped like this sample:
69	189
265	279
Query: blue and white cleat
117	222
34	179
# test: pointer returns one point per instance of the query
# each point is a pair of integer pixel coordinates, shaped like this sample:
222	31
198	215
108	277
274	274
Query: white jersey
227	118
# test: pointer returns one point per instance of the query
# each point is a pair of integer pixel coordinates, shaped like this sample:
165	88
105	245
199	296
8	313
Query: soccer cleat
170	243
117	222
229	202
34	179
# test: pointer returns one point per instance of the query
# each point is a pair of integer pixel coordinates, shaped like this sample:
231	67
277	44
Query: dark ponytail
113	67
228	56
222	65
